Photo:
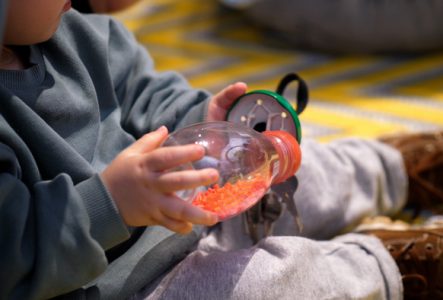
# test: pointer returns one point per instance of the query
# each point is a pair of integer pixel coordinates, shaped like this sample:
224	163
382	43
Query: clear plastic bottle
248	161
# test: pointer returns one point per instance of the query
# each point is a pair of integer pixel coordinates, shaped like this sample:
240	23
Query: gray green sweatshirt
91	91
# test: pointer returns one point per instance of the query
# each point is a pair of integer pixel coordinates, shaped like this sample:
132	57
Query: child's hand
144	192
221	102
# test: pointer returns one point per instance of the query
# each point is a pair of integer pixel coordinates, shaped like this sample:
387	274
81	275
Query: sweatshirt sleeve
47	242
148	98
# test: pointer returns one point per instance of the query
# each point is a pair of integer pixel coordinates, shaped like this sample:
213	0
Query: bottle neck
288	151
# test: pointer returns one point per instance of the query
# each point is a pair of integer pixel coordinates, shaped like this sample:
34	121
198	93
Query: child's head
33	21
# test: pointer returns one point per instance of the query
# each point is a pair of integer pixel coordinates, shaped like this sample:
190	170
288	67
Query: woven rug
349	95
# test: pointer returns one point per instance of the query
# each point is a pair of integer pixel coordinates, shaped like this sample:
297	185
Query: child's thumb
150	141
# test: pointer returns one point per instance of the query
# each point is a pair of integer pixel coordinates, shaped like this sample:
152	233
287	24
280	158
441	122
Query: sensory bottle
248	162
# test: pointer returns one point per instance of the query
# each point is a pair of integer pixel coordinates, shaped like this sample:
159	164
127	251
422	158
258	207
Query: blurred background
350	94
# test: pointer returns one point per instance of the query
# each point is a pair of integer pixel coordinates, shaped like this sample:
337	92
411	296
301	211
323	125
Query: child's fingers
178	226
150	141
221	102
171	157
189	179
225	98
177	209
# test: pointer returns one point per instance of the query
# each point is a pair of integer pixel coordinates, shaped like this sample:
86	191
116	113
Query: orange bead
231	199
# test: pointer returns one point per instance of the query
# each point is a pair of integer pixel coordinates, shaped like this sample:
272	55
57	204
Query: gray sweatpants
340	183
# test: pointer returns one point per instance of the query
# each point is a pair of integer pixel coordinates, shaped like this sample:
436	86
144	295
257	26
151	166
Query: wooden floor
350	95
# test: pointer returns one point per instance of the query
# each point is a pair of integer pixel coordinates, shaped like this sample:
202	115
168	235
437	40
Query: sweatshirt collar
19	80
